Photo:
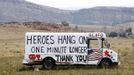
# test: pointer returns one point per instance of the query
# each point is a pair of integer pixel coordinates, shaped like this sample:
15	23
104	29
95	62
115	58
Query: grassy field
12	47
104	28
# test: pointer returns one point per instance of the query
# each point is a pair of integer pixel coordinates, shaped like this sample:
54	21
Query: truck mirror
108	45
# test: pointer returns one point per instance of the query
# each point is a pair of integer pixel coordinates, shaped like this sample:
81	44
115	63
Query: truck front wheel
106	63
48	64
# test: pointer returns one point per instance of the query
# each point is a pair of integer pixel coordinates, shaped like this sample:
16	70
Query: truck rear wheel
48	64
106	63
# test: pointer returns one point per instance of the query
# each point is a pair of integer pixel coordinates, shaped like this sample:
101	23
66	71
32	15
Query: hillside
23	11
104	15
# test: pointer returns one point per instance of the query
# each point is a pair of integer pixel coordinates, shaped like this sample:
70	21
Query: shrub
123	34
64	23
129	31
113	34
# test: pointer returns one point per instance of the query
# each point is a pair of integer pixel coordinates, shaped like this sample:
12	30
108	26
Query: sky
79	4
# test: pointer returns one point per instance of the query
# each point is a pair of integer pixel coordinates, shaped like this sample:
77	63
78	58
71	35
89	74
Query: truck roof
88	34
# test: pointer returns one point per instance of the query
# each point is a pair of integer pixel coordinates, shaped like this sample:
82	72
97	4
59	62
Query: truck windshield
105	43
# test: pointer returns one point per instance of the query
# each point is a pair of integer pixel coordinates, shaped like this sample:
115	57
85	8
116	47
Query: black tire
106	63
48	64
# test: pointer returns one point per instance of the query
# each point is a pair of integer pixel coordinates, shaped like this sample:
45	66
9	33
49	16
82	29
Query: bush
123	34
113	34
64	23
129	31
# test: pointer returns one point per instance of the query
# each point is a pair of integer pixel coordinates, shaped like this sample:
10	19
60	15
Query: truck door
94	52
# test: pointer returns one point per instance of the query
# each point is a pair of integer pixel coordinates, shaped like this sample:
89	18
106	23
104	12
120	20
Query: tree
76	27
65	23
129	31
113	34
123	34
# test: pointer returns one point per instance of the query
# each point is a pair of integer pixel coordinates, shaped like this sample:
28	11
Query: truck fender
49	58
99	62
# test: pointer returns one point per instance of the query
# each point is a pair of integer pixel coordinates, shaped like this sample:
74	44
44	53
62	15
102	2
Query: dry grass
104	28
11	56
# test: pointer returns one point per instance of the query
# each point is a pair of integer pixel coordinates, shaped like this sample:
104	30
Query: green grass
13	66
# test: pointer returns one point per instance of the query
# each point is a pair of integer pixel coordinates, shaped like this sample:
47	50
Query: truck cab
99	50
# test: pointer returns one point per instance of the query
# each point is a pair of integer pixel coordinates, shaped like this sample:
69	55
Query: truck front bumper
116	64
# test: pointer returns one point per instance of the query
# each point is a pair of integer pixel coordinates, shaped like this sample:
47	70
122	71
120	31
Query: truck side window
102	43
92	43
